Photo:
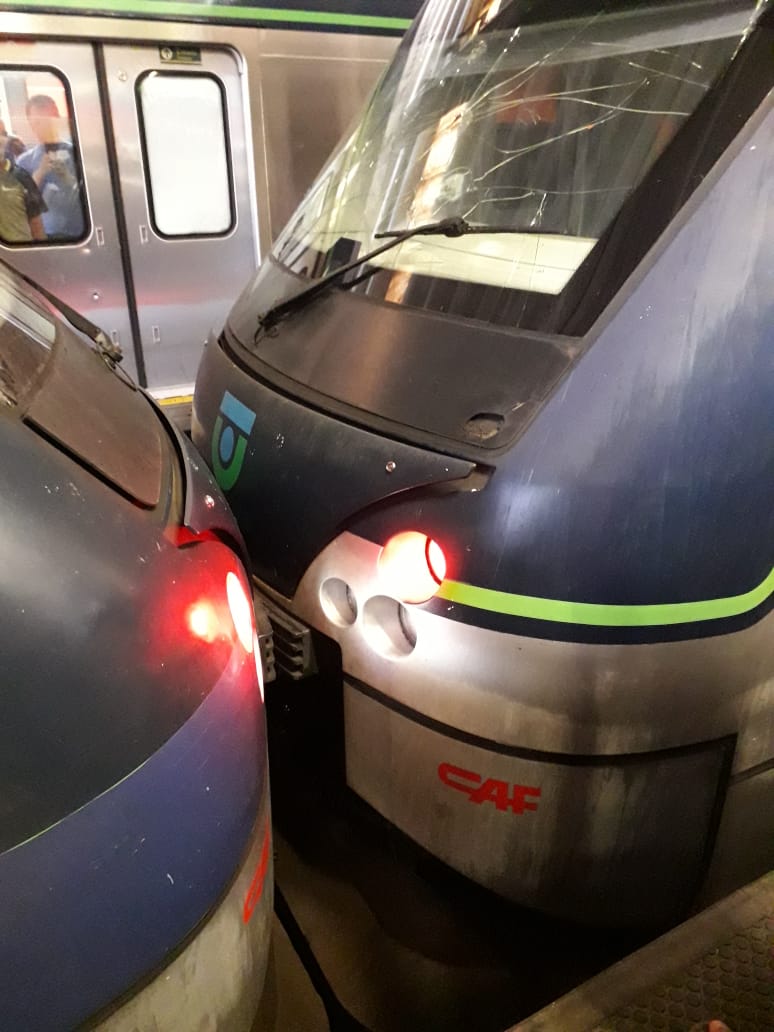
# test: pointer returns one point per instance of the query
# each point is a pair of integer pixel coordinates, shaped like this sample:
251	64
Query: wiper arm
110	352
453	227
458	227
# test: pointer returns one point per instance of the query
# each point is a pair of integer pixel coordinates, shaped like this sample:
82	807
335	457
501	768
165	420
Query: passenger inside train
41	193
51	163
21	203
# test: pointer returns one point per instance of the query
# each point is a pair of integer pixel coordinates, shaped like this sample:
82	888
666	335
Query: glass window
26	336
533	121
42	195
185	143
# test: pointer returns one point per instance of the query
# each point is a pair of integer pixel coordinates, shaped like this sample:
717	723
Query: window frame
82	187
646	213
178	74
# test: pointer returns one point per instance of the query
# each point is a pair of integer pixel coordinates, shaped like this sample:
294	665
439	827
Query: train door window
185	147
42	196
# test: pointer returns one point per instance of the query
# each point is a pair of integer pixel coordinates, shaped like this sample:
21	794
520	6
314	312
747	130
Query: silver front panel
630	819
88	275
184	287
218	979
621	843
745	840
555	696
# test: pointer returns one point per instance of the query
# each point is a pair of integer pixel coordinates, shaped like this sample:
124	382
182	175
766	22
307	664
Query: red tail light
199	608
206	623
412	566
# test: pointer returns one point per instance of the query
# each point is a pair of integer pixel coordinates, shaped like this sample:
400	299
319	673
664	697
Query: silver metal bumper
217	980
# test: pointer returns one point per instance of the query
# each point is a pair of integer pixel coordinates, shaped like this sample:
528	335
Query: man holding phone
51	163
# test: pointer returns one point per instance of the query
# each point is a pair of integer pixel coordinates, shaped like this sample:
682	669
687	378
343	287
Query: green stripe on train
602	615
214	12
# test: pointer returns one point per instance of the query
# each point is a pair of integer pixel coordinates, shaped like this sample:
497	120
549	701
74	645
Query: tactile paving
719	964
734	981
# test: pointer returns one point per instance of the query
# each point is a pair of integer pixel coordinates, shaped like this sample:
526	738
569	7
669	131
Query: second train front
521	475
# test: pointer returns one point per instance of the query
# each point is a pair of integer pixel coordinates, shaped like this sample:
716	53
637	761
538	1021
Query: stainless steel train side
192	144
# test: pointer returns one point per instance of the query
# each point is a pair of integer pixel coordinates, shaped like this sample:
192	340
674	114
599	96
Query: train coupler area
265	632
286	643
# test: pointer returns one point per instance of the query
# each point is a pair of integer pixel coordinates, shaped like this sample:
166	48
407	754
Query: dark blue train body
521	468
134	841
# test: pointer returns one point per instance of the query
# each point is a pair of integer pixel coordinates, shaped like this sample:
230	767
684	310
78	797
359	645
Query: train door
185	170
57	215
137	174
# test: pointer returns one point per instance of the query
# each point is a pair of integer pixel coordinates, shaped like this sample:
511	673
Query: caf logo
229	440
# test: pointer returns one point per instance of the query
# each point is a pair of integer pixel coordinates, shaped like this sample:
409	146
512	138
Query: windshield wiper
109	351
457	227
453	227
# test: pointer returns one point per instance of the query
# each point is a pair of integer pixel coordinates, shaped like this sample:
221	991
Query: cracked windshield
533	119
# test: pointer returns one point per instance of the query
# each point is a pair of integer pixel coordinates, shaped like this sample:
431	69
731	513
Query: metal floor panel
719	964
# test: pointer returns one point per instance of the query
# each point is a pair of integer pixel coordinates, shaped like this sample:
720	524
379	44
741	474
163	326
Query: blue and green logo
229	440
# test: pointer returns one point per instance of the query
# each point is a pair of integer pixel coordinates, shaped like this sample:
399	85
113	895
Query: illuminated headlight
412	566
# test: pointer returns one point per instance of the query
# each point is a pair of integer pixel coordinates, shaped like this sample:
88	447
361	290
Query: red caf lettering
452	776
518	802
489	790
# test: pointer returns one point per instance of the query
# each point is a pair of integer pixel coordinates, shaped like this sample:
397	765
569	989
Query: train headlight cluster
412	565
338	602
409	571
199	618
205	623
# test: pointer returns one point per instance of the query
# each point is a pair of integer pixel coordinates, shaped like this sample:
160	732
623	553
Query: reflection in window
185	145
536	123
42	198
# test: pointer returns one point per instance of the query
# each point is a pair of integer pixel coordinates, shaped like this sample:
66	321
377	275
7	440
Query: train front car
520	470
135	849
